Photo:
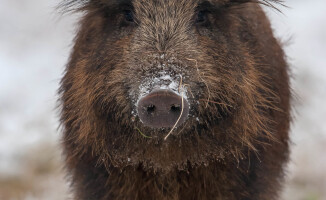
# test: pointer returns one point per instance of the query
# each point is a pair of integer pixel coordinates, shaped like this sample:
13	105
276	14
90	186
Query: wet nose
162	109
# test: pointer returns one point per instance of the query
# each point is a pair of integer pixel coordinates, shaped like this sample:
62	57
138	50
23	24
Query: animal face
165	83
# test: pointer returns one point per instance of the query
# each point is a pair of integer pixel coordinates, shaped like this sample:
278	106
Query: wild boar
175	99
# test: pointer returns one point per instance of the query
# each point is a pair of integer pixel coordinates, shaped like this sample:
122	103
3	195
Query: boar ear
268	3
67	6
271	3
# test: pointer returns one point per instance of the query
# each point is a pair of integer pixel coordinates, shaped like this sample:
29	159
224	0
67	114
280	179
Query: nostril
162	109
176	108
151	108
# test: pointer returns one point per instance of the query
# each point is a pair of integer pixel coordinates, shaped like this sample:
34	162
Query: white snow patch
163	82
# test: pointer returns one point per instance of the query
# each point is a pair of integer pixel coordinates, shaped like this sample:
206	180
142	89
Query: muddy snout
163	109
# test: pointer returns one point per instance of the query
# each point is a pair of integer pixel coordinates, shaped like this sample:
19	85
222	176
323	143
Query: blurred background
35	41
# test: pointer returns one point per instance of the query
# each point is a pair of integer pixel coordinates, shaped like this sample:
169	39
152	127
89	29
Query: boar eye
201	16
129	16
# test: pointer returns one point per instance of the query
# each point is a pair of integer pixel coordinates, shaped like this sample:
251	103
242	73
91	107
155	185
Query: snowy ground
34	44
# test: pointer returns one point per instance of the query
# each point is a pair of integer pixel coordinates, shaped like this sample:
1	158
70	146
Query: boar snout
163	109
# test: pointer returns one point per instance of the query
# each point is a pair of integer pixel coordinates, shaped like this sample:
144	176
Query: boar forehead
69	5
175	2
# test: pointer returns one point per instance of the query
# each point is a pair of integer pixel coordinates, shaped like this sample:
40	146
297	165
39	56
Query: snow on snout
162	80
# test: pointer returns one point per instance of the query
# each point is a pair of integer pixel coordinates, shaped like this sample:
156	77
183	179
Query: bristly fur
234	143
81	5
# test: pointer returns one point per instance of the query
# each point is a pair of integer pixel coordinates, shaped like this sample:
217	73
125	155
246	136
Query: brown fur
235	141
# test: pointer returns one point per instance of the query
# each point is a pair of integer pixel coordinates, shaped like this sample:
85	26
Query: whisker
182	108
209	93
